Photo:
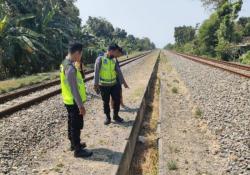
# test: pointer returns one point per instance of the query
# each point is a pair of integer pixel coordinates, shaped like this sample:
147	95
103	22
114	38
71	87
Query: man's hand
82	111
97	89
126	85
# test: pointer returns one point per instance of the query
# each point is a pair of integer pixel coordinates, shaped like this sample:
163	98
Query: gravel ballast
224	100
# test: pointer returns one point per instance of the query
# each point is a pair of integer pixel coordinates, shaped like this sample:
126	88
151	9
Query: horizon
155	19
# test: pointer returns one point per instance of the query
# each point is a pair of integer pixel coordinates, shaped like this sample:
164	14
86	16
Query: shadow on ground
106	155
129	109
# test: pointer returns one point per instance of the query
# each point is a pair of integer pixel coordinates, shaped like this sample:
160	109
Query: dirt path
187	145
107	142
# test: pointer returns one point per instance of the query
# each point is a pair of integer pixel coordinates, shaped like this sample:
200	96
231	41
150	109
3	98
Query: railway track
25	91
238	69
42	92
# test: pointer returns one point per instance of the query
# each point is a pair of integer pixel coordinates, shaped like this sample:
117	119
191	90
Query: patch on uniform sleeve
105	61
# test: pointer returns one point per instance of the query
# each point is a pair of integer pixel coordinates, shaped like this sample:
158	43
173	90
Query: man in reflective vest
106	73
74	96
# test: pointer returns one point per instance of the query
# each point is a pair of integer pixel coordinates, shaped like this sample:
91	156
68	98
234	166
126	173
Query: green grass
198	112
16	83
57	169
174	90
60	165
172	165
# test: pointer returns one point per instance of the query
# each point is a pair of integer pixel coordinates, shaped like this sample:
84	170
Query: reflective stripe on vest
107	71
66	91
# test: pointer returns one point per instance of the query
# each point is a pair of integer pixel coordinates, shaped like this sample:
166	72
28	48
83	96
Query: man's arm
71	77
119	73
97	71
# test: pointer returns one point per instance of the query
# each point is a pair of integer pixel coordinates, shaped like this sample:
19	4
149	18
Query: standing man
125	83
106	73
74	96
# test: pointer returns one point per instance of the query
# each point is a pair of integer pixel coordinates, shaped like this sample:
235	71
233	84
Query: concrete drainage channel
129	147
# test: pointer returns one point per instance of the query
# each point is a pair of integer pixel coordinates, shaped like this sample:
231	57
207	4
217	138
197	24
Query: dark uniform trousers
75	124
114	92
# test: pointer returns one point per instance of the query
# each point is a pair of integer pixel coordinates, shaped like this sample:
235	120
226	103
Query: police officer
106	73
124	83
74	96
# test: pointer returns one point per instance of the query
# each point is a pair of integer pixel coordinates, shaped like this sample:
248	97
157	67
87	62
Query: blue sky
155	19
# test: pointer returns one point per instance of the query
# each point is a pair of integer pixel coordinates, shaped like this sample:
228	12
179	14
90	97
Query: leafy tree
130	43
226	34
100	27
207	38
120	33
184	34
243	21
219	35
244	25
247	30
49	34
212	3
34	35
218	32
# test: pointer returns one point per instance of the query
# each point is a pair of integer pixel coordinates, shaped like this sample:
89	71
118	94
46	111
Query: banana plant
12	32
19	45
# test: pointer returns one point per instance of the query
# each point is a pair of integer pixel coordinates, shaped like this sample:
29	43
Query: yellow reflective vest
108	74
68	98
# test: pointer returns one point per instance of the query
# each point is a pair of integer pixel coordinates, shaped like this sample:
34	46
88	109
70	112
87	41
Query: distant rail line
9	109
238	69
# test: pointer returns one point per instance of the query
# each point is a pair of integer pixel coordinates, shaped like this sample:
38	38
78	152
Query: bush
245	59
188	48
89	56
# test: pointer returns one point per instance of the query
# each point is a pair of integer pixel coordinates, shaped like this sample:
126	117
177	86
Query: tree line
223	36
34	35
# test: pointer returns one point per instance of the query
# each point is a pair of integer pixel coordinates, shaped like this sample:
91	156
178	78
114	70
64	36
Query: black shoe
82	145
82	153
107	121
118	119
